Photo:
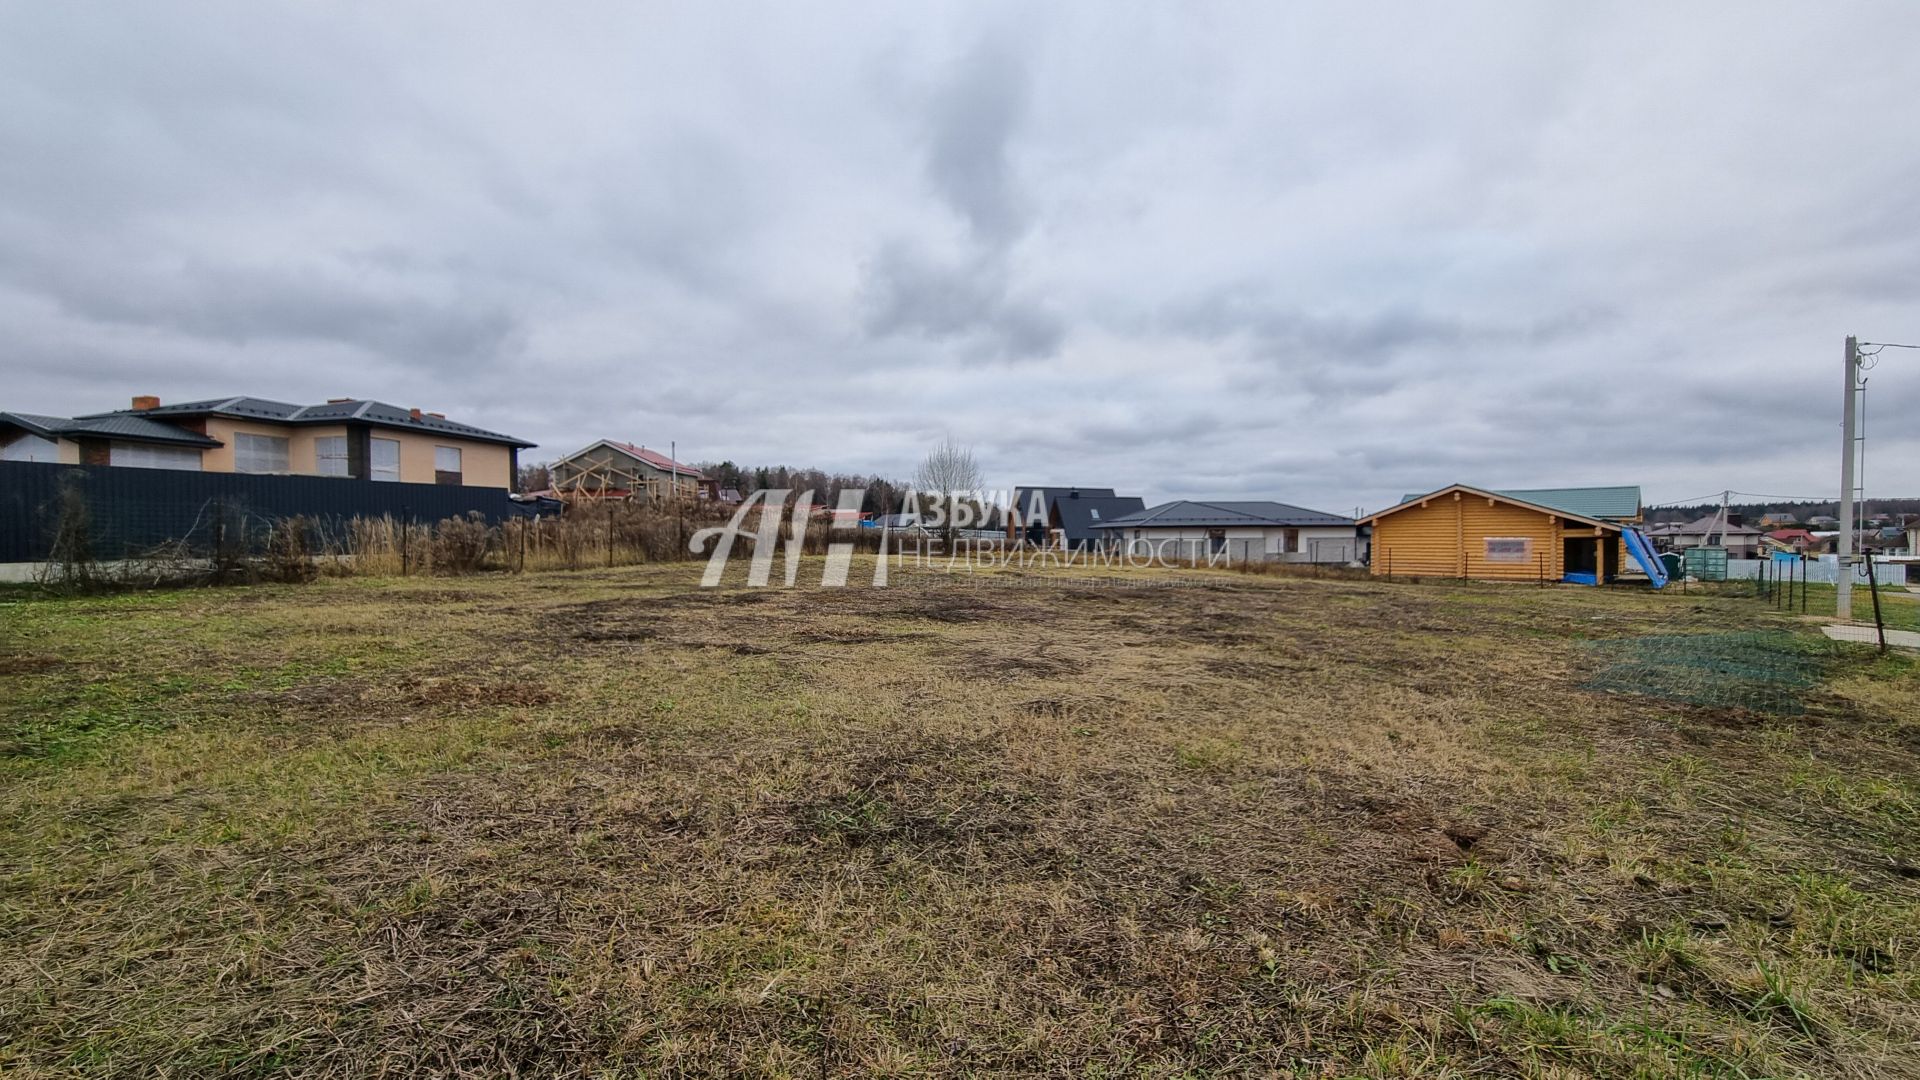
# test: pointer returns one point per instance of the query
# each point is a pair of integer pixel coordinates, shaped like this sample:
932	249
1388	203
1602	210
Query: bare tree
947	474
535	477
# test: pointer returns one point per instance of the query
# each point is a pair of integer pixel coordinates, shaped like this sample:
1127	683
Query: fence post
406	528
1873	590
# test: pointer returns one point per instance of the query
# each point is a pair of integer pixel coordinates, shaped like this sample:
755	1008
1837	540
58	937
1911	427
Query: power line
1784	498
1715	497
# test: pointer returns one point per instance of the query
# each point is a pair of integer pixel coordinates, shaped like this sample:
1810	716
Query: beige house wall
481	464
302	458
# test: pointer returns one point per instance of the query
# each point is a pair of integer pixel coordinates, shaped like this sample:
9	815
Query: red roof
1791	534
658	461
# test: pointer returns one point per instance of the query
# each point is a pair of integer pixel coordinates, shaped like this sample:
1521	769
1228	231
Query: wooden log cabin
1535	535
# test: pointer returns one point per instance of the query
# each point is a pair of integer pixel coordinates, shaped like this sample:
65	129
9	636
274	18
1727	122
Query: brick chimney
145	402
438	415
415	413
338	400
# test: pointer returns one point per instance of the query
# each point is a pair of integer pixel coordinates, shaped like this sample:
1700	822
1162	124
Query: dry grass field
1161	824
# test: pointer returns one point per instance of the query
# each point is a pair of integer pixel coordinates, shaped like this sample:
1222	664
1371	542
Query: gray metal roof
1026	498
250	408
376	413
129	428
44	426
1081	518
1215	515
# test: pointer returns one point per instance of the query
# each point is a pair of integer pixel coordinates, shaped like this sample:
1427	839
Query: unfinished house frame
617	470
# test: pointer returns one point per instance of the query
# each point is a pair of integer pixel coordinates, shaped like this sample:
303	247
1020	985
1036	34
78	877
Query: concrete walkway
1905	639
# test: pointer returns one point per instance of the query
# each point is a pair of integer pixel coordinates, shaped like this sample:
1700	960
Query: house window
446	465
30	448
330	455
1509	549
383	459
259	453
144	456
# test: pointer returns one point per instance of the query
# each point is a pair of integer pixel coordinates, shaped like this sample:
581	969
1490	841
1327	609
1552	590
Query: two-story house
346	437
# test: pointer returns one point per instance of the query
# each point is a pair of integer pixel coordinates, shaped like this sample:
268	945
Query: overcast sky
1184	250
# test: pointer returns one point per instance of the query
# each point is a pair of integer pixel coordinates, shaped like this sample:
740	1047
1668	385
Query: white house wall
1326	544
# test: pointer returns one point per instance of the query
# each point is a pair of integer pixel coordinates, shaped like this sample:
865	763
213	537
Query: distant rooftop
658	460
344	410
1191	513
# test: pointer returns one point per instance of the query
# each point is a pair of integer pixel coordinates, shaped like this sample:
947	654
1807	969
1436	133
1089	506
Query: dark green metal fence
131	512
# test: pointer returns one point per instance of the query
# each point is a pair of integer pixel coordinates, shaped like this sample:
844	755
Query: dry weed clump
461	545
289	556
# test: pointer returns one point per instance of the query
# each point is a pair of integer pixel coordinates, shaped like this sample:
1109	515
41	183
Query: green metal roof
1605	503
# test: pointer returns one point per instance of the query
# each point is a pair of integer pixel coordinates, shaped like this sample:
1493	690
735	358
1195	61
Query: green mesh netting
1763	671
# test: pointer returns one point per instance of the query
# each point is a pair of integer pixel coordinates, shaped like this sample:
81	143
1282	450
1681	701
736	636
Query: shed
1536	534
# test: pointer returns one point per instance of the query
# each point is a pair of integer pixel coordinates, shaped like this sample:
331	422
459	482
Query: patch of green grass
1773	999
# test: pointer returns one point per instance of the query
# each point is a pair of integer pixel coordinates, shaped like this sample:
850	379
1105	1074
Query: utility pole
1843	548
1719	521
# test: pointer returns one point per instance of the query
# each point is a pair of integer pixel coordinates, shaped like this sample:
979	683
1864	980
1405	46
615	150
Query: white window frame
1511	549
130	455
262	454
330	456
440	459
377	469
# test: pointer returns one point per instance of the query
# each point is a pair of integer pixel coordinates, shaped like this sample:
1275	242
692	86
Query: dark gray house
1068	515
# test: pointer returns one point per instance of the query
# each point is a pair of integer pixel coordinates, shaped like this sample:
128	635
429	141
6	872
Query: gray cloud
909	291
972	120
1322	255
973	298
